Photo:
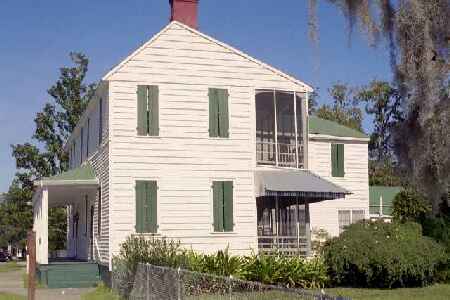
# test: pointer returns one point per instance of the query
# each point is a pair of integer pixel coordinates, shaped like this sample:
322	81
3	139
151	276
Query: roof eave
315	136
43	183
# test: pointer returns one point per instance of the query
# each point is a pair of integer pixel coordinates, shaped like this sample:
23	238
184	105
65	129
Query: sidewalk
11	282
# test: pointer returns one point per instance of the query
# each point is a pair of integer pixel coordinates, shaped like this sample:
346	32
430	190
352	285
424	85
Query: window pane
286	129
357	215
343	219
265	127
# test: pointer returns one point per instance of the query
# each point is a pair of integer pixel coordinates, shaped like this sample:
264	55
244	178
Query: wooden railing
288	245
287	156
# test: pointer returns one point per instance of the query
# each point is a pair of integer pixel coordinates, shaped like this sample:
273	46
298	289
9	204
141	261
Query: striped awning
300	183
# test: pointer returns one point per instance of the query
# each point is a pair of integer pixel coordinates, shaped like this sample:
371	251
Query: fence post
147	282
180	284
32	265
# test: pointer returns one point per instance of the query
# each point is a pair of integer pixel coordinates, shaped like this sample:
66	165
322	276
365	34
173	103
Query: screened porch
282	201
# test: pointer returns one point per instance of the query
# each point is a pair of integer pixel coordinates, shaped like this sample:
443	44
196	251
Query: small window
347	217
100	121
344	219
357	215
218	113
337	160
148	110
146	207
99	212
81	145
223	206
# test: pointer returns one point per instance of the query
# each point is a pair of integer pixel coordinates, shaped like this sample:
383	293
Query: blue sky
37	36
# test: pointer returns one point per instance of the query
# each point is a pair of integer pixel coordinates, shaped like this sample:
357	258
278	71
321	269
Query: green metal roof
82	173
326	127
388	193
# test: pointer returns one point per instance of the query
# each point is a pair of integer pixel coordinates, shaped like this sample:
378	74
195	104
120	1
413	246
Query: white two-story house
193	140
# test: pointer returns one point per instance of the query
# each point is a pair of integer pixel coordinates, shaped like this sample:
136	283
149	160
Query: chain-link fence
151	282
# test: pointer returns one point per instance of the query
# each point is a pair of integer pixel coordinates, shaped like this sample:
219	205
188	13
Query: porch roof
301	183
83	175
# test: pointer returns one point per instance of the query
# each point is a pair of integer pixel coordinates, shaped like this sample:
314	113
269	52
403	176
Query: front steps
69	274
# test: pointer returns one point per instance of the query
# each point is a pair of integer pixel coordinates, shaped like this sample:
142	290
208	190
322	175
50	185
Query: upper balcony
281	128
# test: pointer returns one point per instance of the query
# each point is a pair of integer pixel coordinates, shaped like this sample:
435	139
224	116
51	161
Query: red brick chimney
185	11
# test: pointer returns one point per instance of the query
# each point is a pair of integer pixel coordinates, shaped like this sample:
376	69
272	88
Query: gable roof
211	39
330	128
388	193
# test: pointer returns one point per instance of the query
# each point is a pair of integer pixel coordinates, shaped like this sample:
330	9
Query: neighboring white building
179	142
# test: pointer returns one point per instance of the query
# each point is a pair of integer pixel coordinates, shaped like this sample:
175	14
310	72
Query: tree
46	156
418	32
344	110
382	101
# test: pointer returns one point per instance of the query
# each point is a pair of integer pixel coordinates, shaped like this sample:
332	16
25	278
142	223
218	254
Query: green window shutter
151	222
140	199
340	160
213	113
142	112
337	160
223	112
228	206
218	206
153	108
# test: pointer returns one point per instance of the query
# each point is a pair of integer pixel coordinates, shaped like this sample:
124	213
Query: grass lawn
435	292
10	266
4	296
100	293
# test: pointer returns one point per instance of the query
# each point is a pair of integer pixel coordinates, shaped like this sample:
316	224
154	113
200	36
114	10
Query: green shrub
276	269
382	255
409	205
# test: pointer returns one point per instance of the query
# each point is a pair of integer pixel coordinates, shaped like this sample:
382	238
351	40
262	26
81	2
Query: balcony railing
266	154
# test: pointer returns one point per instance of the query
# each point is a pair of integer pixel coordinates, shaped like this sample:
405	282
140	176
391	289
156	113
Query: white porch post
44	237
41	226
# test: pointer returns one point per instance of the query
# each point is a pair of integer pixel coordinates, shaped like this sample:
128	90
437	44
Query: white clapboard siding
356	180
183	159
97	153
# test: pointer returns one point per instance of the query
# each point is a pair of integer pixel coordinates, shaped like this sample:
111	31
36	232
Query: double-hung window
218	113
347	217
223	206
148	110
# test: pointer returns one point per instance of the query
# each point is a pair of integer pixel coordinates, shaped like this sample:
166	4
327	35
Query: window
88	137
148	110
146	207
99	212
280	128
218	113
337	160
81	145
86	215
223	206
344	218
347	217
100	121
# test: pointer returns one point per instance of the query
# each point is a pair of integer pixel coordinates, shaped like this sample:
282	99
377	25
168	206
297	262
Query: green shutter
228	206
337	160
341	160
142	116
223	112
153	108
218	206
151	223
140	198
213	113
